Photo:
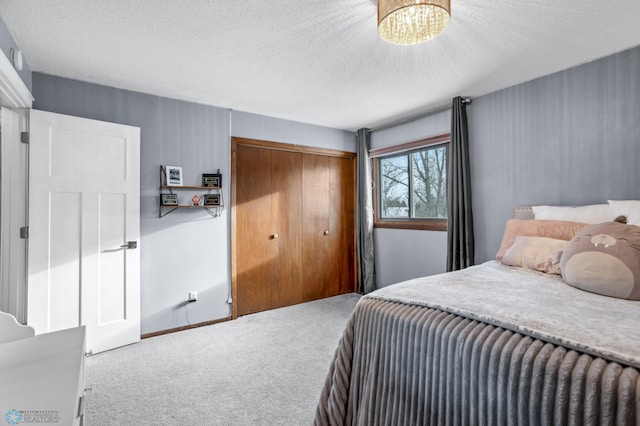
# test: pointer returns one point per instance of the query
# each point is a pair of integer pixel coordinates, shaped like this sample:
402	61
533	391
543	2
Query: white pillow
628	208
595	213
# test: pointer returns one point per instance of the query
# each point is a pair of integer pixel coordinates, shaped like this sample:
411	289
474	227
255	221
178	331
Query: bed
492	344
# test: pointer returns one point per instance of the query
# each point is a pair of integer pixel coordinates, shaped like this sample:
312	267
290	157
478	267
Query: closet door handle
274	236
326	232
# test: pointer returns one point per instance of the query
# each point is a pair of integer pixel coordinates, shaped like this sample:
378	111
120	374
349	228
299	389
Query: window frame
425	224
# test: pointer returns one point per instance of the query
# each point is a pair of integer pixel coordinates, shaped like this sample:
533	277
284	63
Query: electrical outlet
193	296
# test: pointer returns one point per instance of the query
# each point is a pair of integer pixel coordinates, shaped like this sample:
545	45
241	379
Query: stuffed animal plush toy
604	259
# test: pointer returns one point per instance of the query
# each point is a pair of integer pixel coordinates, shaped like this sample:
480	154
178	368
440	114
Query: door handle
274	236
326	232
130	245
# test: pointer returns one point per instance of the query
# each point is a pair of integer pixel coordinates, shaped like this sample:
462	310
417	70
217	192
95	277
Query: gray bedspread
487	345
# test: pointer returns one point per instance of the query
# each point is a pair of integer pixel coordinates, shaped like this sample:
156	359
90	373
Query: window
411	185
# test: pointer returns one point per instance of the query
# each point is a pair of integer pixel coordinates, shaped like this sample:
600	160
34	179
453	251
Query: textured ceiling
318	62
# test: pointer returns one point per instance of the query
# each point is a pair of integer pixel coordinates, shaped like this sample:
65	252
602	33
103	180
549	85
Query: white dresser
42	378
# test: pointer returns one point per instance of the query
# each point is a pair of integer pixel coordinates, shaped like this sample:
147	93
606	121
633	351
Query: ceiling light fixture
412	21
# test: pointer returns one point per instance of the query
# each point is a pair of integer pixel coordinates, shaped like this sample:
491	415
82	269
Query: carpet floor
261	369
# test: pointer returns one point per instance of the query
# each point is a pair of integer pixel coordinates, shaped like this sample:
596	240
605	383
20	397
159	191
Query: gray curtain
364	214
460	241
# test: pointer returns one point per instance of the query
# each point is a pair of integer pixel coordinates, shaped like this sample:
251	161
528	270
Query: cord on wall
186	311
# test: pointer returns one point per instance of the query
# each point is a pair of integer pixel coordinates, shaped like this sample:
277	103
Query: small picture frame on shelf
212	200
173	175
212	180
168	199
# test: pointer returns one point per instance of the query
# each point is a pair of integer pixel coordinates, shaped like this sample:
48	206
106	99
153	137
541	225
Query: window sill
422	225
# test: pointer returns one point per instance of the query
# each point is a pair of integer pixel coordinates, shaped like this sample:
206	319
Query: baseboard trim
184	327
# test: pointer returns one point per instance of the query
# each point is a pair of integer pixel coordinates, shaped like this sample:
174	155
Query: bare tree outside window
414	185
395	186
430	183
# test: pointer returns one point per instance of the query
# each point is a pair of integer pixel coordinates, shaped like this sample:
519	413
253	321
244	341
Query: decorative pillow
628	208
604	259
534	253
595	213
558	230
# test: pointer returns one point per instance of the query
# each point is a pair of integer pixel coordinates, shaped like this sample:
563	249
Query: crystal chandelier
412	21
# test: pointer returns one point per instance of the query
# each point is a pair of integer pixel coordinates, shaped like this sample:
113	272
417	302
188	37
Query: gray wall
6	44
186	250
571	138
568	139
403	254
254	126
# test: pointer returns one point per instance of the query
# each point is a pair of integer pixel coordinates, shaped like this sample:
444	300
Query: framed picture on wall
168	200
212	200
173	175
213	180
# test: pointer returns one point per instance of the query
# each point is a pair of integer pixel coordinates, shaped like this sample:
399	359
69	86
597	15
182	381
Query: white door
13	214
84	209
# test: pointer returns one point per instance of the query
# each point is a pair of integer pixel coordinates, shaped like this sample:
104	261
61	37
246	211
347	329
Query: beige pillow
558	230
628	208
595	213
535	253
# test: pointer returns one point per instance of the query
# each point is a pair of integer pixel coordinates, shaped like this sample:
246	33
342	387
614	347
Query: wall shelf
170	187
165	209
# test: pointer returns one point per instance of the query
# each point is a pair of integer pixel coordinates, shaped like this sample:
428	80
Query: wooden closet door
316	232
286	212
293	225
254	242
328	227
342	186
268	229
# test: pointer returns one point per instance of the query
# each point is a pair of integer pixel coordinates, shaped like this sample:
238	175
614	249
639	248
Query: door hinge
130	245
24	137
24	232
80	413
